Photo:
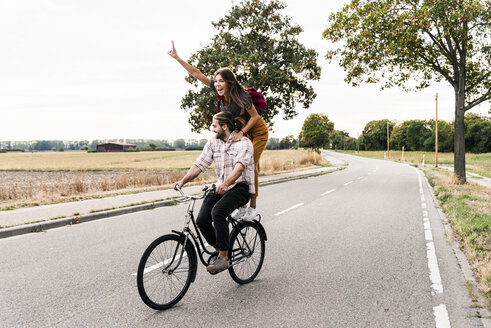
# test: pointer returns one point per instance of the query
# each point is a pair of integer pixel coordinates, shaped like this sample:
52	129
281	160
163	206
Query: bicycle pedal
212	257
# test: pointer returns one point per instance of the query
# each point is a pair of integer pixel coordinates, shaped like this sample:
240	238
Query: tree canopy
338	139
316	130
375	134
260	45
409	43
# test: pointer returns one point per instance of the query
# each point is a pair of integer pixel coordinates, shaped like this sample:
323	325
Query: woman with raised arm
236	100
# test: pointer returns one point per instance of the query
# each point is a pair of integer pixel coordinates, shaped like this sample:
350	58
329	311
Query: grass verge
468	210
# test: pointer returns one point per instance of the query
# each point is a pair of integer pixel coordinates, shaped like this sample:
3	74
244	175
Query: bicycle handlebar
206	189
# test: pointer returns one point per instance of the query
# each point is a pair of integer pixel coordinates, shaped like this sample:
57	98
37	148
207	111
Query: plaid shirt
226	155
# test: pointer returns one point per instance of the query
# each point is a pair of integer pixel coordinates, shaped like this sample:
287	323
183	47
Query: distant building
114	147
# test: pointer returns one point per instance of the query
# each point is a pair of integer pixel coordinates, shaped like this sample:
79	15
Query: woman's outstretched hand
173	52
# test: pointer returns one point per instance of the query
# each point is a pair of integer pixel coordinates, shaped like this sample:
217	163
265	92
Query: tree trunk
459	140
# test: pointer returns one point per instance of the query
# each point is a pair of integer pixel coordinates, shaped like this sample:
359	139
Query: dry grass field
30	179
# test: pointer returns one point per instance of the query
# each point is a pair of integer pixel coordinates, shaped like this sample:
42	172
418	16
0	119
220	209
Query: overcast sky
87	69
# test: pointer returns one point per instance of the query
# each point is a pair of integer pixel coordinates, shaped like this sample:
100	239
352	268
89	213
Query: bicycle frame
196	237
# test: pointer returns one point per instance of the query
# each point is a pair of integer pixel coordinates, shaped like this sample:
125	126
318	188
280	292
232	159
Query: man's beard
220	135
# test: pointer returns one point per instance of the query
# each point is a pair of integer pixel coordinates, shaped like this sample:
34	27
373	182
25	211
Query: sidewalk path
23	216
476	178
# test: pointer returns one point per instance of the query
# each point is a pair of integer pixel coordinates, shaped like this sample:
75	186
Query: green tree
273	143
180	143
445	137
351	143
375	134
417	133
261	46
337	140
203	142
478	133
288	142
398	138
316	130
398	41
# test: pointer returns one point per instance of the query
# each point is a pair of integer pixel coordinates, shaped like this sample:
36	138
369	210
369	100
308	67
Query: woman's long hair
234	123
234	87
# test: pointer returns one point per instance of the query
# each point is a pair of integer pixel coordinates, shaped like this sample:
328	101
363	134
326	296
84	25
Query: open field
30	179
476	163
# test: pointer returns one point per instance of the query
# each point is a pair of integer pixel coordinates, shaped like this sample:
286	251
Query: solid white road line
440	311
441	316
328	192
289	209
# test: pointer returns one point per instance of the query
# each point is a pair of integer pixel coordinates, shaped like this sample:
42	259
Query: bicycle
169	264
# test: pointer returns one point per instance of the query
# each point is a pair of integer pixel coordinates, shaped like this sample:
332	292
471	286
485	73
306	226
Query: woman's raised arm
196	73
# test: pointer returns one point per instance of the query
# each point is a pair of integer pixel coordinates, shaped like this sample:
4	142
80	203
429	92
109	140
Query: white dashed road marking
328	192
289	209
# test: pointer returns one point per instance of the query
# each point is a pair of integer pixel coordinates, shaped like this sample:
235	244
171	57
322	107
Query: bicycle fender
192	250
260	227
261	230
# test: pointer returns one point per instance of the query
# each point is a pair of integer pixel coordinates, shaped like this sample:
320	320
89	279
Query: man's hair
234	123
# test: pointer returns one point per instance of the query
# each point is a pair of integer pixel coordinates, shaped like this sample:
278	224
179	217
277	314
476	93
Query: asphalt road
348	249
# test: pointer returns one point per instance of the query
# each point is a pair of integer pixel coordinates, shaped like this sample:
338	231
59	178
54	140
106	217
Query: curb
57	223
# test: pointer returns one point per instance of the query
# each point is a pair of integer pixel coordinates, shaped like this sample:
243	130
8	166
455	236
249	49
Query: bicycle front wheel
165	271
246	252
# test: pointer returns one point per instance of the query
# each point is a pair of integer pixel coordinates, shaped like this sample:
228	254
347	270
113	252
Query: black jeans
216	208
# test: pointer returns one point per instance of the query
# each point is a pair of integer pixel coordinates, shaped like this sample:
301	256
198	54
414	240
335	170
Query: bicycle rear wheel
163	281
247	248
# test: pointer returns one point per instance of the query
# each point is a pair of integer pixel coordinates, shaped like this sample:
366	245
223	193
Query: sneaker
239	213
250	215
219	265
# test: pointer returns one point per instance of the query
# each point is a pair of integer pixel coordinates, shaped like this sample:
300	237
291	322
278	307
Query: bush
131	150
194	148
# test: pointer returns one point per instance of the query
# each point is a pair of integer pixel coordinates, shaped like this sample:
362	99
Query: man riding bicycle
234	167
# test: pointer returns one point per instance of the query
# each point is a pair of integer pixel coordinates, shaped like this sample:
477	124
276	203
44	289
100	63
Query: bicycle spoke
247	254
160	283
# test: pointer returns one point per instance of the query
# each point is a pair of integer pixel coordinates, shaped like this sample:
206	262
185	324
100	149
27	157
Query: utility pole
388	139
436	131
